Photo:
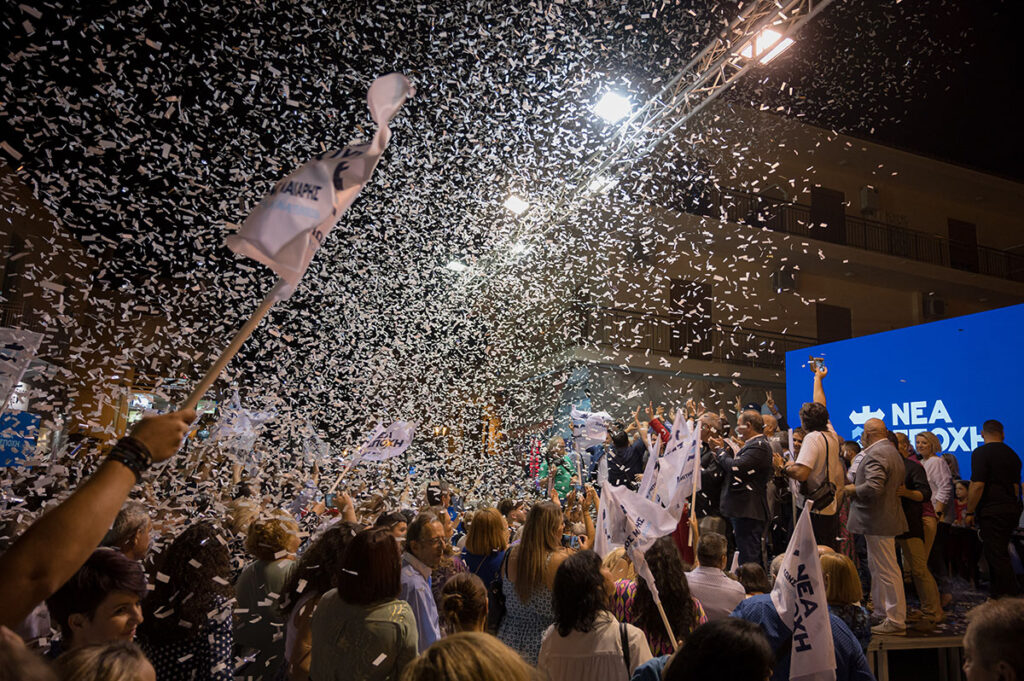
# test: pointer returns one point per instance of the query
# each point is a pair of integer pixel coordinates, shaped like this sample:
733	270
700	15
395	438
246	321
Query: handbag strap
624	641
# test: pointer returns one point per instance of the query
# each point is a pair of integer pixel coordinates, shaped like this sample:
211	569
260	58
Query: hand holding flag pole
289	225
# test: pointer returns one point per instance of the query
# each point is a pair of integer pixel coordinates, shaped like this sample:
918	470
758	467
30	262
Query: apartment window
828	215
963	245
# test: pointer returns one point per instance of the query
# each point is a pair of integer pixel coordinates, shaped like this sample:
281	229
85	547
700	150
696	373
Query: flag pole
236	344
668	627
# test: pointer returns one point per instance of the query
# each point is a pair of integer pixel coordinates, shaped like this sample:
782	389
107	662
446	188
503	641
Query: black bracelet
132	454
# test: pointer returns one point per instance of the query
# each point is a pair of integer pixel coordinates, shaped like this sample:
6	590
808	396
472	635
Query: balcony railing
794	218
674	335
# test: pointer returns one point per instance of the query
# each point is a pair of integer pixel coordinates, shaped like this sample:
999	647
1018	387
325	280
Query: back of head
732	649
271	537
104	572
578	595
469	656
813	416
993	429
389	519
18	663
197	566
318	567
487	532
753	578
118	661
753	420
620	439
241	513
463	603
541	534
993	640
842	583
131	519
667	569
711	549
371	568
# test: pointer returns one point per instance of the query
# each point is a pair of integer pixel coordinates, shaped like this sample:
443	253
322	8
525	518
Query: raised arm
53	548
819	392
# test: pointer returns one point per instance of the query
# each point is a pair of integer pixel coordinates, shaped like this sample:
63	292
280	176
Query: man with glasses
424	541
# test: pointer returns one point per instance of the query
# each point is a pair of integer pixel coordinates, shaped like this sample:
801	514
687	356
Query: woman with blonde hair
619	565
272	540
936	528
843	593
469	656
486	546
117	661
527	578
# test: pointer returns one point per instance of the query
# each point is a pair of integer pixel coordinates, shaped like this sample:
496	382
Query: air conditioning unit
785	279
933	307
868	200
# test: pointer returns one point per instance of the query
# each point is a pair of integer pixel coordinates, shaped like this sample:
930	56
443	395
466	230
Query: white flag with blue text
639	522
799	598
290	224
387	443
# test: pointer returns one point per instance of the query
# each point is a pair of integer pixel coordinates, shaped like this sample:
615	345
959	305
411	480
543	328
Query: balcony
622	329
795	218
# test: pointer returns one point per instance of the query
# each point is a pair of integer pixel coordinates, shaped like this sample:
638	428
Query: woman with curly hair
632	601
259	634
186	632
315	574
586	642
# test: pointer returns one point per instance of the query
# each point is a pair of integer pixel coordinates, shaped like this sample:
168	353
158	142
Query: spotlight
613	107
457	266
516	204
766	46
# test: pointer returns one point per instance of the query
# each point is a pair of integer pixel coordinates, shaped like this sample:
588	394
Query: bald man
876	513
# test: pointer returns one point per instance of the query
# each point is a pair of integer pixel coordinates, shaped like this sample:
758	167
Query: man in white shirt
716	591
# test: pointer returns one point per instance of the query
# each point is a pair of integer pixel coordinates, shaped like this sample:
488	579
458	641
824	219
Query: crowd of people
426	589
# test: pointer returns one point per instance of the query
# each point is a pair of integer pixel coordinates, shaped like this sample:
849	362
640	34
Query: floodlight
766	46
519	248
613	107
457	266
516	204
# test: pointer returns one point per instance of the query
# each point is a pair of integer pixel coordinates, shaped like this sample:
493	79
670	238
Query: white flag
290	224
611	529
687	480
17	349
672	462
238	428
589	428
640	522
799	598
387	443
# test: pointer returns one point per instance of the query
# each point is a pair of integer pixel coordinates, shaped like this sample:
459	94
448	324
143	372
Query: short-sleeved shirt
812	455
998	466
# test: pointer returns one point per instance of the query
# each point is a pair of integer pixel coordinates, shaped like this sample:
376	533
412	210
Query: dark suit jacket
745	489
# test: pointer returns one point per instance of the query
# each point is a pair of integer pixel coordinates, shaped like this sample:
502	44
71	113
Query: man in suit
876	513
745	487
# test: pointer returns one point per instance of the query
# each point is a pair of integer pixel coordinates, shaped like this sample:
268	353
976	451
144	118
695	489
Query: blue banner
947	377
18	432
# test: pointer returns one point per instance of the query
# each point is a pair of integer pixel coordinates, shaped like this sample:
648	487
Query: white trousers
887	593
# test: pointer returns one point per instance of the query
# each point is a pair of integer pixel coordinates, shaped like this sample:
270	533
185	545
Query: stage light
519	248
457	266
613	107
766	46
516	204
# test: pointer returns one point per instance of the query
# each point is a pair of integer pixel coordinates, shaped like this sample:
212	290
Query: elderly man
876	512
745	488
424	542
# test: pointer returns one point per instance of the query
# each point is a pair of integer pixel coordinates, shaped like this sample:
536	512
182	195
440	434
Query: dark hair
669	576
753	419
800	431
620	439
389	520
855	446
436	491
992	427
198	569
318	566
506	506
463	601
711	548
753	578
813	416
104	572
578	595
415	530
371	570
891	437
729	648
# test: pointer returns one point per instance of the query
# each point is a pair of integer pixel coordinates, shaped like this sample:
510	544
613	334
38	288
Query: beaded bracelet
132	454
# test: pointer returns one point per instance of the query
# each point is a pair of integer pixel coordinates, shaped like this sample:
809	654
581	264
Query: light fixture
613	107
766	46
519	248
457	266
516	204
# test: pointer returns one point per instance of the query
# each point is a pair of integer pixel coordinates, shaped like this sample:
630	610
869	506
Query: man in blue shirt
851	665
424	542
626	461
